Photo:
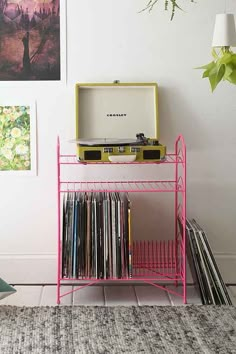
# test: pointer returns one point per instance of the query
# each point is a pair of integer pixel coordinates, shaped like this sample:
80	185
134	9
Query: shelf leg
176	212
58	224
184	293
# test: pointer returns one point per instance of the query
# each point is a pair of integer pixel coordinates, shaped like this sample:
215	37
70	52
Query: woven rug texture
146	329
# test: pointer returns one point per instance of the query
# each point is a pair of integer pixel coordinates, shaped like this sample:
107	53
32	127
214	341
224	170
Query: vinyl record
104	142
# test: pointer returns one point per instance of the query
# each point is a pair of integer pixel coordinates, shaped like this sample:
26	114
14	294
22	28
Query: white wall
108	40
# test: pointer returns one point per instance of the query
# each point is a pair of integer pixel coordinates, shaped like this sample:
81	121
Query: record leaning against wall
30	40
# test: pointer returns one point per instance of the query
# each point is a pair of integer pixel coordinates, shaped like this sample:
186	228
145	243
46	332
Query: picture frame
18	138
28	53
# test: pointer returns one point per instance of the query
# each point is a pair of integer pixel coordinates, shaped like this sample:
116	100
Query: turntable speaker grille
93	155
151	154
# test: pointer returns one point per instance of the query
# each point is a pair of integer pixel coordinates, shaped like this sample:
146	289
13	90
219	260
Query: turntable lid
116	110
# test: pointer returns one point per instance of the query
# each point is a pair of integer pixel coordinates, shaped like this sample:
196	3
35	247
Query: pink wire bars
158	263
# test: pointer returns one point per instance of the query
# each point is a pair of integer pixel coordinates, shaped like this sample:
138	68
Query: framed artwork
30	40
17	139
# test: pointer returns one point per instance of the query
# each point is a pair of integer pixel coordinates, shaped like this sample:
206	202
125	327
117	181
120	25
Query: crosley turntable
108	117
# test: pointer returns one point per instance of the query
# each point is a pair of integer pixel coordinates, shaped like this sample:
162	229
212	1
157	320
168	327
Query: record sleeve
194	263
83	223
125	235
122	240
75	235
105	236
217	278
216	294
88	234
113	235
94	238
100	237
70	233
198	264
205	271
109	226
129	237
118	237
64	237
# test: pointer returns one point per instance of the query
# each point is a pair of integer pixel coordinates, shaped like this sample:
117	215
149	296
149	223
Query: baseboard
42	268
227	266
28	269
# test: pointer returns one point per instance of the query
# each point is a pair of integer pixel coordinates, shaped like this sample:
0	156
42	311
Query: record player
118	123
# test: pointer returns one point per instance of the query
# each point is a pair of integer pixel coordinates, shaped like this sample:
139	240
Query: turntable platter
105	142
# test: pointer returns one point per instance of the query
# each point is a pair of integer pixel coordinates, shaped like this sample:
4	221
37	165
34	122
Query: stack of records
96	239
204	268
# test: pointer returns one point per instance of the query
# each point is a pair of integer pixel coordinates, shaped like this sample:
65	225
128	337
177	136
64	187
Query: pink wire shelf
152	262
125	186
156	259
72	160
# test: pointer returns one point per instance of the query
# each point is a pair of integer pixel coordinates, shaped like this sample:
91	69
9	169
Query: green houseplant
223	67
167	4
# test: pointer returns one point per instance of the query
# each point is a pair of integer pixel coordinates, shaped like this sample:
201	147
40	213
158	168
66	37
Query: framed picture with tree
31	44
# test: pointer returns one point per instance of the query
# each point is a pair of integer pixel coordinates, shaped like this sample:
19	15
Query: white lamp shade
224	31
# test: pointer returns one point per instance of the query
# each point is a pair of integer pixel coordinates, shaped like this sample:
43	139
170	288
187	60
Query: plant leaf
214	54
149	6
207	66
225	59
233	60
214	70
228	71
216	77
205	74
212	80
232	78
223	67
174	4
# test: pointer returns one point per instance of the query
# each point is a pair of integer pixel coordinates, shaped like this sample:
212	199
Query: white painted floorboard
150	295
123	295
232	294
102	295
49	293
192	296
89	295
24	296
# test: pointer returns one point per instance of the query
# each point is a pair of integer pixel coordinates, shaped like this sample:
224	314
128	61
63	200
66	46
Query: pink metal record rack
153	262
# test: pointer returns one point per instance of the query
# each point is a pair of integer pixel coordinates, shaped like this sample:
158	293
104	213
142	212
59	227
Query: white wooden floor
102	296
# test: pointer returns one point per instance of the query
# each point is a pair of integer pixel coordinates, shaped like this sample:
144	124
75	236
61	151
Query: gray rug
147	329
